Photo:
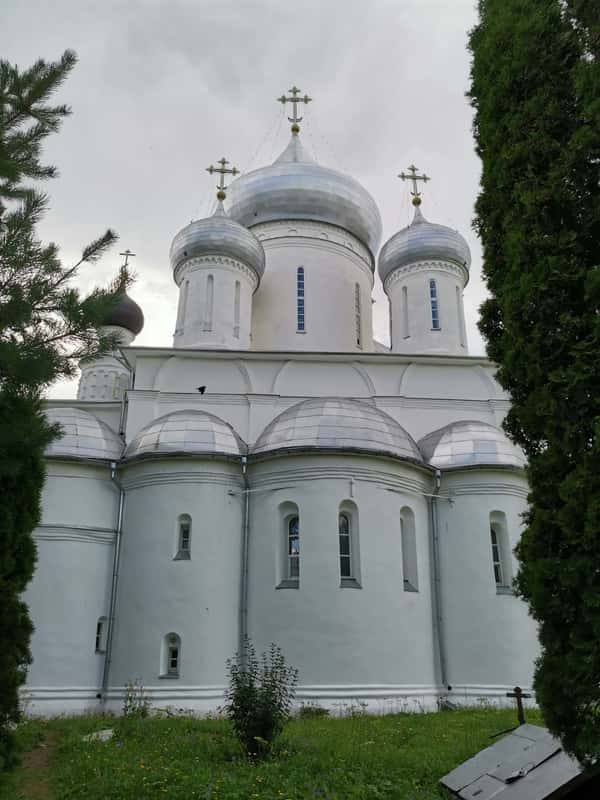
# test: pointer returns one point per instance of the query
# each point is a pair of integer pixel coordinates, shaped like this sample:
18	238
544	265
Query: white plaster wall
197	599
334	261
198	325
70	587
373	643
106	378
416	335
490	640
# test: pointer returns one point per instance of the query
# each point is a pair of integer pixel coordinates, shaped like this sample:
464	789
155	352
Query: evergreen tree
46	327
535	88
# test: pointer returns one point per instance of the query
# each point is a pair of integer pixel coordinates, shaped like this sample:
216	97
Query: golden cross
414	177
128	254
294	100
222	171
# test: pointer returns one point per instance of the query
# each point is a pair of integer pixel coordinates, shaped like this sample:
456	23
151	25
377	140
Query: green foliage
395	757
536	92
312	711
46	326
259	697
136	702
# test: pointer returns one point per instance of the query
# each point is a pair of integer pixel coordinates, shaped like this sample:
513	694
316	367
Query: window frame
171	652
408	546
348	511
434	305
101	635
501	553
300	301
184	553
358	316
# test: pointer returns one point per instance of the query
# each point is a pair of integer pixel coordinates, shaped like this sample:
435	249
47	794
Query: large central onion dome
218	235
295	187
423	241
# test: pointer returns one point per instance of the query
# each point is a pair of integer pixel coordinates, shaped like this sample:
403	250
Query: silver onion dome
423	241
186	432
295	187
218	235
336	424
83	436
470	443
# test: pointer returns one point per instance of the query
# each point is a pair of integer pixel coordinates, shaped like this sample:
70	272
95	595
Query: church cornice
446	267
199	263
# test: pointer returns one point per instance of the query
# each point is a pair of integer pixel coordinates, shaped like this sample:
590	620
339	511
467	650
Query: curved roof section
295	187
336	424
470	443
423	241
126	314
218	235
186	432
83	436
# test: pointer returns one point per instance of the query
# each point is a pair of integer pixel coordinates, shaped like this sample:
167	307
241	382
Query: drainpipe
243	626
437	594
114	583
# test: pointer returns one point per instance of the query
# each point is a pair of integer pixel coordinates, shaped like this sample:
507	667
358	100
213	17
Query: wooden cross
519	695
414	177
128	254
294	100
222	171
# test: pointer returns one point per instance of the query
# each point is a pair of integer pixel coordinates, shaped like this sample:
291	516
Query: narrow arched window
210	296
236	311
101	631
408	539
357	314
293	548
405	323
184	537
501	557
345	542
435	310
497	557
171	656
300	307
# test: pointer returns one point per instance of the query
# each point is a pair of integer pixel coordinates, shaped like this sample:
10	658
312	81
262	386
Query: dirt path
35	772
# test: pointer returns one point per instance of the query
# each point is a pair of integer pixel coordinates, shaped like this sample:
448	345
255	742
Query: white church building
280	474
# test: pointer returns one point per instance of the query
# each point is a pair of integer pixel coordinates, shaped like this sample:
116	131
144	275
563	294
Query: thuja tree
535	89
46	327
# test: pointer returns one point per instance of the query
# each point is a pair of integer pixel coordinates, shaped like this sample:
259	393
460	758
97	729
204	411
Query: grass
399	756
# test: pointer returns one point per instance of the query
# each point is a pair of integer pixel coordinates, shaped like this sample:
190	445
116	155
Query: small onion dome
186	433
468	444
126	314
295	187
336	424
83	436
218	235
423	241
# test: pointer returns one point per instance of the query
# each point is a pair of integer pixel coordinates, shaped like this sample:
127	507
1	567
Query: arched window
287	547
344	531
184	537
210	295
408	538
405	321
357	314
300	308
236	311
348	544
501	557
435	310
293	547
101	631
171	656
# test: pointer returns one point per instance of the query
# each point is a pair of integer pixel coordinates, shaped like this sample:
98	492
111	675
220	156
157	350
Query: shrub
136	702
312	711
259	698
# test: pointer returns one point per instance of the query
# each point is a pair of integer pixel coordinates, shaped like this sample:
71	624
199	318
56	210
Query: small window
101	630
408	541
435	311
348	546
300	307
236	311
497	557
345	542
357	315
293	548
184	537
501	556
171	659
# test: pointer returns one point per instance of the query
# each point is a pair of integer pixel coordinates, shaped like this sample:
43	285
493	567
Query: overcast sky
164	88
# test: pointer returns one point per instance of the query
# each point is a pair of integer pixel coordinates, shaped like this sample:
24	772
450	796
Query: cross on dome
128	254
413	175
294	100
222	171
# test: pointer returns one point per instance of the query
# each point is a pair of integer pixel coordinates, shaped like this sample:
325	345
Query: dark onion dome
340	424
295	187
470	443
187	432
218	235
423	241
83	436
126	314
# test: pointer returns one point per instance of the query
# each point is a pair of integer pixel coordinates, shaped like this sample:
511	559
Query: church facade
279	474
